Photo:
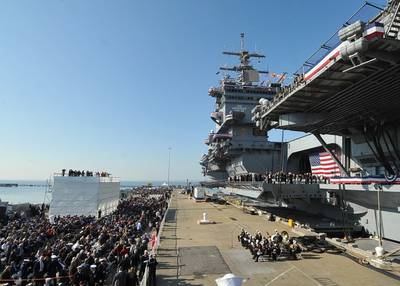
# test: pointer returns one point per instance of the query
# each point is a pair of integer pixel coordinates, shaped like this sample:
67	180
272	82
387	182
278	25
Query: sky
111	85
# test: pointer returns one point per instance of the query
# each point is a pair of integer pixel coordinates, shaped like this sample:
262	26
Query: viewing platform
84	195
103	179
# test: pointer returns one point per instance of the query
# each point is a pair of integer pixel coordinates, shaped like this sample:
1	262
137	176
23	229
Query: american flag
323	164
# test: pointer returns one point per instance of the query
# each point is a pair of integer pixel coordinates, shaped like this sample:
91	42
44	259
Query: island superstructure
236	146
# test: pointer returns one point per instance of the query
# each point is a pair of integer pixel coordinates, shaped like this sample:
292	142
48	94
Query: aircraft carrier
346	98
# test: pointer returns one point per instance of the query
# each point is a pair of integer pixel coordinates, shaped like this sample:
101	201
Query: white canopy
229	280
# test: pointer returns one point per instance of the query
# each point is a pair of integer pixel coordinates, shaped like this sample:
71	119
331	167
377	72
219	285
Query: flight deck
193	254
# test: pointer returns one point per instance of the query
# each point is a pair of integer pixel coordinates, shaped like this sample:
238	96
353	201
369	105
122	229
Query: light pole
379	189
169	163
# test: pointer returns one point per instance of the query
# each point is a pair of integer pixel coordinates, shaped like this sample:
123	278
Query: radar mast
247	73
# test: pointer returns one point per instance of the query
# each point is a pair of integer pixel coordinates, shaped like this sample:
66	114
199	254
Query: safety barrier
18	281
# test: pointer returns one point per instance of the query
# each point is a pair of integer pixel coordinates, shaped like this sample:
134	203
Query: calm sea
34	191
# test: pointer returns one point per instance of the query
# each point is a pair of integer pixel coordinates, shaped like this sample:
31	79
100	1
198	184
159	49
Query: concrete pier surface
194	254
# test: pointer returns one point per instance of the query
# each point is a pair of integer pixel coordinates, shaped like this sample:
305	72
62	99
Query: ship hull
361	203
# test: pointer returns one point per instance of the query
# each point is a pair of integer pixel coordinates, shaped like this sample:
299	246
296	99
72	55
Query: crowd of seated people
281	177
80	250
269	247
83	173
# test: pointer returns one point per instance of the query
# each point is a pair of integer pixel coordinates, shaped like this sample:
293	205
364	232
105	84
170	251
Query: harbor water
26	192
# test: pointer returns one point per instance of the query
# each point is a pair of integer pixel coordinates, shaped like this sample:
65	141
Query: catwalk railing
365	13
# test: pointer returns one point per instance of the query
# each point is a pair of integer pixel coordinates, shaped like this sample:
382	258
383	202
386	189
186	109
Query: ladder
48	192
394	27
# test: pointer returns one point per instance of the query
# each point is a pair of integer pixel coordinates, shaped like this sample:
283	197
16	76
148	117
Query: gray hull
316	199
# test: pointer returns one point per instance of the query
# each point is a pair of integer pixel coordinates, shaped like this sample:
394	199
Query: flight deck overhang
341	96
299	119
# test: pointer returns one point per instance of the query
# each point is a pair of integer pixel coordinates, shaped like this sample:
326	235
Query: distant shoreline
8	185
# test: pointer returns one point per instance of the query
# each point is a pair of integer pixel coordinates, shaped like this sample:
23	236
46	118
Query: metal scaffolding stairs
394	27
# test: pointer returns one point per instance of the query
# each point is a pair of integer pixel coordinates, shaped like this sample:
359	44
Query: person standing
25	269
93	275
143	262
120	278
81	277
53	266
125	262
39	268
132	277
102	271
152	264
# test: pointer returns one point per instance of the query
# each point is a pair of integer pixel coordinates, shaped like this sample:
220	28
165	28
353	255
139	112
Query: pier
11	185
8	185
193	254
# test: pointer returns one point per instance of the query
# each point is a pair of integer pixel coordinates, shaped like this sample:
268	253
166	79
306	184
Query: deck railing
108	179
365	13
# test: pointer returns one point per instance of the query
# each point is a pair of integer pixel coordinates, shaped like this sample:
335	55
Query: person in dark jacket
81	277
54	266
102	271
71	255
133	280
6	274
135	259
25	268
120	278
93	275
143	262
39	269
152	264
125	263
